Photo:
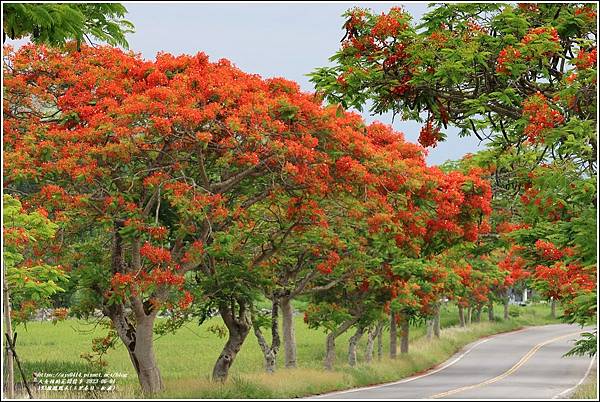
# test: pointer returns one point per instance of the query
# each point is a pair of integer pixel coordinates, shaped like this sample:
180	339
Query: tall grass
589	389
186	357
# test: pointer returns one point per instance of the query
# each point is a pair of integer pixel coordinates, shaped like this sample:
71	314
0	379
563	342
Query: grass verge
589	388
186	357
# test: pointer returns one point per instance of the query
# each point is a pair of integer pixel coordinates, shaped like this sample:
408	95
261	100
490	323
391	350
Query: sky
285	40
271	39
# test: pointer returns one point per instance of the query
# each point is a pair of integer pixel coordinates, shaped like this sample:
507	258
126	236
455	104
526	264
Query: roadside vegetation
51	348
172	212
589	388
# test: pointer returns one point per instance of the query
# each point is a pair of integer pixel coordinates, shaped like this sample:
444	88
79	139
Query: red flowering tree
515	272
165	159
356	302
521	78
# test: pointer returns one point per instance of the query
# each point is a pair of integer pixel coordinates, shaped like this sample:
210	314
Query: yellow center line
514	368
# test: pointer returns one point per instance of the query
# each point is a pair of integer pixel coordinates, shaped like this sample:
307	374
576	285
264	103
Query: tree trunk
393	336
139	343
269	352
404	328
330	343
289	337
238	328
371	336
491	310
436	321
148	371
478	313
469	315
461	316
429	324
352	343
138	337
380	342
505	304
10	368
553	307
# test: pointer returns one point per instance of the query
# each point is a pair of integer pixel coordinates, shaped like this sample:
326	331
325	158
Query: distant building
519	296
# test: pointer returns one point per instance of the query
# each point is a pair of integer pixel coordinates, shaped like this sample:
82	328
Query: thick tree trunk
380	342
352	344
139	343
10	367
436	321
238	328
269	352
404	329
393	336
148	371
138	338
461	316
491	310
289	336
330	343
469	315
553	307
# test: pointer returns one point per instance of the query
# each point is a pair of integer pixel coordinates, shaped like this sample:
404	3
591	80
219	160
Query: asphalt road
525	364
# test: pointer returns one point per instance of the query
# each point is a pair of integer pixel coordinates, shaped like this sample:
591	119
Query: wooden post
10	368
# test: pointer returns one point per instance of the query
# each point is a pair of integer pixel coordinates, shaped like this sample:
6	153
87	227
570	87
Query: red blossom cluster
157	255
186	300
514	266
529	7
546	32
562	280
390	24
507	227
586	59
540	117
158	277
429	135
548	250
329	264
586	11
194	252
506	56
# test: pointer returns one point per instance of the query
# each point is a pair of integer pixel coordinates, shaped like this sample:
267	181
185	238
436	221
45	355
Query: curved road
525	364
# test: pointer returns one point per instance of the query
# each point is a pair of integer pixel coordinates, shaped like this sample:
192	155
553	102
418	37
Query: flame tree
521	78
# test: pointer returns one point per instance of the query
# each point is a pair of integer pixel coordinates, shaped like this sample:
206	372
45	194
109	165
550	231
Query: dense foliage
522	78
189	188
56	24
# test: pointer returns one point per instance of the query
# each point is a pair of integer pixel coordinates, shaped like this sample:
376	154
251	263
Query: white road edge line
406	379
580	381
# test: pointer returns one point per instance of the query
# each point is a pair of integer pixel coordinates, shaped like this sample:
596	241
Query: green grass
186	357
589	389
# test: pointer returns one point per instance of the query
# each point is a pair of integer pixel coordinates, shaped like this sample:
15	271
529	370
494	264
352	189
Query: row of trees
523	80
189	186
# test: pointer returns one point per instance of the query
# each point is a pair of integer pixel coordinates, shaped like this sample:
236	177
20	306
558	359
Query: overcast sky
287	40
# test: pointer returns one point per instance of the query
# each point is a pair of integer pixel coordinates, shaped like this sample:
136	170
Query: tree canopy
57	23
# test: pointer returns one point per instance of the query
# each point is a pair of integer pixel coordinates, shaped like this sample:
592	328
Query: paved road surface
525	364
